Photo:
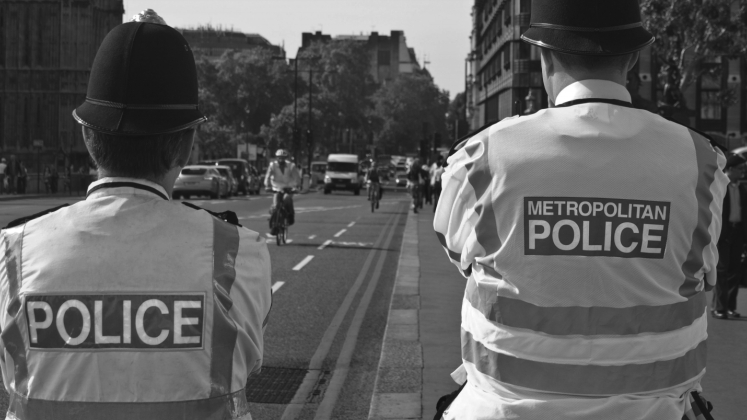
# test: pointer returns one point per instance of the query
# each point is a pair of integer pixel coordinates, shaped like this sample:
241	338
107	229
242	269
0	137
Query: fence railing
75	184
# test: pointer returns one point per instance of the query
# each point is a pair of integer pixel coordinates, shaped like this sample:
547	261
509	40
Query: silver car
233	185
200	180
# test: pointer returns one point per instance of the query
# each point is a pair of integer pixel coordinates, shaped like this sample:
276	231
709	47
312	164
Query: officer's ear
185	148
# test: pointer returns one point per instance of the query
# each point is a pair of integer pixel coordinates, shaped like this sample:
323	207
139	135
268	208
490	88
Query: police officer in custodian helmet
587	233
128	305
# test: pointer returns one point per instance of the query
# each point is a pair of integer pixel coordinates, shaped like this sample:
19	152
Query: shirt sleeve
717	188
464	184
252	298
268	184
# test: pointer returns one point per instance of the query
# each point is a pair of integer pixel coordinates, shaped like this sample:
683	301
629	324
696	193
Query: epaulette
227	216
26	219
460	142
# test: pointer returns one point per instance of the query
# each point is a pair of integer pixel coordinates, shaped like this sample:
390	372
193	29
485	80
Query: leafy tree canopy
690	33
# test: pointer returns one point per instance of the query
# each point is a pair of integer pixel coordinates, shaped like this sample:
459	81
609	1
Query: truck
342	173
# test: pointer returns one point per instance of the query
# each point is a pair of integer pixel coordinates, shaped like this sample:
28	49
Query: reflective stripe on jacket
279	179
588	234
128	305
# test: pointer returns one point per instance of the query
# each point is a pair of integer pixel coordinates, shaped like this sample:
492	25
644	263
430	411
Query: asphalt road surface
332	284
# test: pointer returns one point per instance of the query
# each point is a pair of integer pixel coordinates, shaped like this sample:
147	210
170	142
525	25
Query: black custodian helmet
143	82
587	27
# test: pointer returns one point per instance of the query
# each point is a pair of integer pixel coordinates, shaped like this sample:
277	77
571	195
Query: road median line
342	367
293	410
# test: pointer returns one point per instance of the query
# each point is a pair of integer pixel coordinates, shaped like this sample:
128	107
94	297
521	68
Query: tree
405	105
239	93
690	33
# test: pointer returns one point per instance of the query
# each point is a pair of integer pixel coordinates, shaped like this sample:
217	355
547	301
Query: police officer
587	233
127	304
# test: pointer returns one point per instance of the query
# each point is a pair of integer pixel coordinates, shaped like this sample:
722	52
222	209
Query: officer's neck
167	181
557	77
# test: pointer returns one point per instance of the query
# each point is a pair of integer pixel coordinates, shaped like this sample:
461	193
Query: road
325	318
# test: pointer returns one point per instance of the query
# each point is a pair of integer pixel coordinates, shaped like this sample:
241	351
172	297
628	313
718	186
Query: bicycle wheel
279	236
373	203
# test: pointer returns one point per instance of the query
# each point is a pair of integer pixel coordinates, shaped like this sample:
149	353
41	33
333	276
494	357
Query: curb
398	387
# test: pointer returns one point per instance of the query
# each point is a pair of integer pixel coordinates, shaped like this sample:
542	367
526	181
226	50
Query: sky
438	29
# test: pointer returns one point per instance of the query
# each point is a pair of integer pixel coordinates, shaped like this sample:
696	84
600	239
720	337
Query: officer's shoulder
699	135
484	132
23	220
226	216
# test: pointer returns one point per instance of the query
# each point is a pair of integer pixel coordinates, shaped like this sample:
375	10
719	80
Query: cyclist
282	177
415	182
372	175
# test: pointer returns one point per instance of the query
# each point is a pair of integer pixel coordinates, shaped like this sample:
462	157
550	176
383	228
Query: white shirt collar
148	186
593	88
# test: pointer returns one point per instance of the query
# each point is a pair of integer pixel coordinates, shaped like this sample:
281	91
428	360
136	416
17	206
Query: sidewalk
422	339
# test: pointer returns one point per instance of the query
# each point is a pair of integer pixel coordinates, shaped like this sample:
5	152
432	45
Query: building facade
213	42
504	77
389	54
46	52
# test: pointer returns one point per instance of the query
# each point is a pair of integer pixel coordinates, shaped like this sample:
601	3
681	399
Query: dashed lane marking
312	236
287	241
277	285
303	262
351	224
327	242
337	235
336	243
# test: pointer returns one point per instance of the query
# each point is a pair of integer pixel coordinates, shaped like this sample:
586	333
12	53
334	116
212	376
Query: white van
342	173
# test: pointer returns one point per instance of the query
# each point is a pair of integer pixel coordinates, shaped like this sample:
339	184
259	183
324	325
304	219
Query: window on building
384	58
507	57
525	6
710	105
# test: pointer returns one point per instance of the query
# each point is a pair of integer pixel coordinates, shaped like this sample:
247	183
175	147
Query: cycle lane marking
303	263
342	366
293	410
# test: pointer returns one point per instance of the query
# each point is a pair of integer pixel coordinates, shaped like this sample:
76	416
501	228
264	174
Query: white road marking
312	236
337	235
303	262
287	241
352	243
351	224
277	285
327	242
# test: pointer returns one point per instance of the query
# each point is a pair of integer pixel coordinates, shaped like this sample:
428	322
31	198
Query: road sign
38	143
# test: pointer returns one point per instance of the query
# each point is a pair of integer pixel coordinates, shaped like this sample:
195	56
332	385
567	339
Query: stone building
213	42
502	71
390	55
46	52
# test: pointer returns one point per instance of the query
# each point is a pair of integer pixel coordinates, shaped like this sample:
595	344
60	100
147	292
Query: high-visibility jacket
587	233
280	179
128	305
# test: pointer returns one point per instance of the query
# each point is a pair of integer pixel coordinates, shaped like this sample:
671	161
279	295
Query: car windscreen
194	171
235	167
342	167
318	167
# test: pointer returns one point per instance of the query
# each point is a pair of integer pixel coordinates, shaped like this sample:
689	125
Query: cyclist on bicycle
282	178
372	176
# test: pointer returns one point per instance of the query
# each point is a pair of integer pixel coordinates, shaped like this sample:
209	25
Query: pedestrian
11	174
415	183
54	178
436	172
23	174
47	179
426	184
587	247
3	165
730	247
160	307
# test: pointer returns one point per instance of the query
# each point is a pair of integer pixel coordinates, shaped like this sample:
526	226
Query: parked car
233	185
317	172
242	171
199	180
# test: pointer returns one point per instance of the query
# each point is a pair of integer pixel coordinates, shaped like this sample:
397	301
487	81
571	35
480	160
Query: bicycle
279	220
375	195
416	197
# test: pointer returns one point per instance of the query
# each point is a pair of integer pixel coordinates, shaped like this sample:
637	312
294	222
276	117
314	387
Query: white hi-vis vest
130	306
588	234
